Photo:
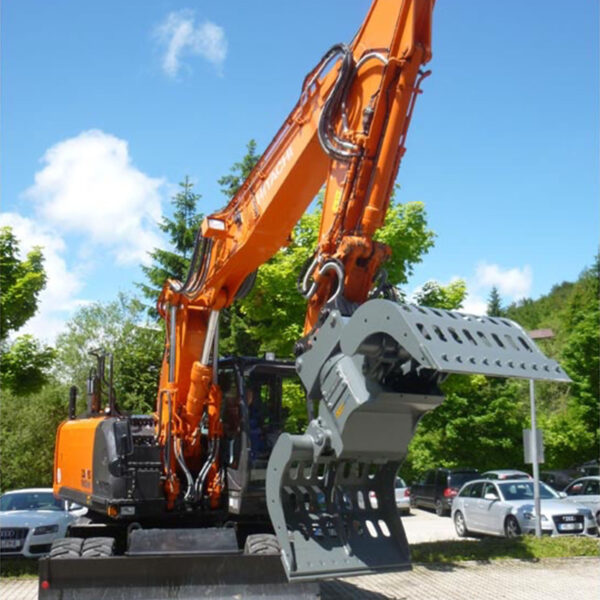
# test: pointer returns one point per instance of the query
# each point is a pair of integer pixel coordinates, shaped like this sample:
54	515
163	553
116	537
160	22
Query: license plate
570	526
10	544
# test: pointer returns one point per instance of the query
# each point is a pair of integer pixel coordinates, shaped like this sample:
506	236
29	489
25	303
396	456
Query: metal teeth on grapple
375	374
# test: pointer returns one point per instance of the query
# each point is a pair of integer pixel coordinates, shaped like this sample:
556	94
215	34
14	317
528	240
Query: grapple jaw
330	491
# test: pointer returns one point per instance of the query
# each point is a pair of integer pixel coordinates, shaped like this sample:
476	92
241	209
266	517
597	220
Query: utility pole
536	464
538	334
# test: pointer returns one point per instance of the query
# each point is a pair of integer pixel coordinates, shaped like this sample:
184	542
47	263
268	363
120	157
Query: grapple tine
330	491
333	517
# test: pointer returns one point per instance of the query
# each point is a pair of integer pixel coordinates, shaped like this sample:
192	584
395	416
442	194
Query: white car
402	494
506	474
31	519
507	508
586	491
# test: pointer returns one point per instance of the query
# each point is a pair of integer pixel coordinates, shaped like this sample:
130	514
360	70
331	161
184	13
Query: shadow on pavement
343	590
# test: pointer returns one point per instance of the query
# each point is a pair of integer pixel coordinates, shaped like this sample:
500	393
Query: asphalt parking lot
548	579
425	526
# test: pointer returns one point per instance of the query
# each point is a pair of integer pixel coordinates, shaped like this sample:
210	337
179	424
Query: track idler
330	491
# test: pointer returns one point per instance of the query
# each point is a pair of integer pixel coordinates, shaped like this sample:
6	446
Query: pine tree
173	263
494	306
239	172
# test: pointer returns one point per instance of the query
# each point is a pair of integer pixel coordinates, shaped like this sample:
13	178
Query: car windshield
523	490
30	501
400	482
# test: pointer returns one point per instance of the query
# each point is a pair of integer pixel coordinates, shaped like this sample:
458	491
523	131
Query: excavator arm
373	366
347	131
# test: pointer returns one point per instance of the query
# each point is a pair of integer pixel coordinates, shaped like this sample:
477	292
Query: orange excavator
210	489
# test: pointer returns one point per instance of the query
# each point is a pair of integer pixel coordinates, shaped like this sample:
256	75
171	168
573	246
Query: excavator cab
257	393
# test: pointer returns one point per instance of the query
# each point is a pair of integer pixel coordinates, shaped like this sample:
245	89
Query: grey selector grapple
330	490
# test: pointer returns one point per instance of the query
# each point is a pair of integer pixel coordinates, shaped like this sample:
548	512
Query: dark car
559	479
591	467
438	487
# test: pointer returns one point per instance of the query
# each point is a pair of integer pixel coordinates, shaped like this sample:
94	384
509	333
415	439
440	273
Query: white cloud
515	282
58	299
474	304
89	186
181	36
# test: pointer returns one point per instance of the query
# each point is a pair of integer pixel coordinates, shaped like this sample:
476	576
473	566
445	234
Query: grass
21	568
488	548
485	549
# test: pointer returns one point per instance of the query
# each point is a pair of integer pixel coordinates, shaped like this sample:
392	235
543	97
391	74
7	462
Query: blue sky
107	105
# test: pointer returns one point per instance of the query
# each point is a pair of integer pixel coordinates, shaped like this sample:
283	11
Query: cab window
575	489
476	489
490	488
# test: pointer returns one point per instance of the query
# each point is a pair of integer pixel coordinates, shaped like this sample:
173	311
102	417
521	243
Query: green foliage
405	232
25	365
294	404
274	310
436	295
181	231
21	281
494	306
480	422
273	314
478	425
120	328
239	172
27	432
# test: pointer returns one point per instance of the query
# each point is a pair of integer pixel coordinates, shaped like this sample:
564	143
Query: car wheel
512	528
66	548
460	524
261	543
98	547
440	511
598	521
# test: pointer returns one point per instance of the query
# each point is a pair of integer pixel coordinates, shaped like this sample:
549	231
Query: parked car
591	467
585	490
506	474
31	519
401	493
439	486
506	508
559	479
402	496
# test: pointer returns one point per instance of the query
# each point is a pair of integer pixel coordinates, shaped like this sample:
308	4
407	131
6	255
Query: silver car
402	493
506	474
31	519
586	491
506	508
